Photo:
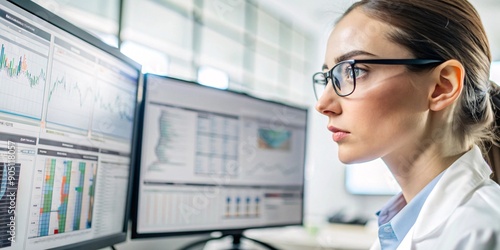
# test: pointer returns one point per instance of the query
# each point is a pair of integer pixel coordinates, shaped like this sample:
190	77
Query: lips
338	134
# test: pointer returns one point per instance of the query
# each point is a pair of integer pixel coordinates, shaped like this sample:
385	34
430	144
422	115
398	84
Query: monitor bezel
40	13
224	231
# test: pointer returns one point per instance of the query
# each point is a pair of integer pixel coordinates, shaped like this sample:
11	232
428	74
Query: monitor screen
67	116
370	178
215	160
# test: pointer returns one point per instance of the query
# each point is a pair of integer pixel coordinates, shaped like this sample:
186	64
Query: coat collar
459	180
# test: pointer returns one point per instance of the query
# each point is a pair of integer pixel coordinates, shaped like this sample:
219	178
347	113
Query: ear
448	80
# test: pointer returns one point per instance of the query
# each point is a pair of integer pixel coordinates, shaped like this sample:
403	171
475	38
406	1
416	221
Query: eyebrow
348	56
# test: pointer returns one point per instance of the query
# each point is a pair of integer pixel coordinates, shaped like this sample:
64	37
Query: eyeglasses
343	75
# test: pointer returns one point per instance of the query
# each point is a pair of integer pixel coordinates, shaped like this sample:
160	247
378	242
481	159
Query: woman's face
386	114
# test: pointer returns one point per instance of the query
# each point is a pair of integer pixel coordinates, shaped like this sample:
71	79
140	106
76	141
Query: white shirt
462	211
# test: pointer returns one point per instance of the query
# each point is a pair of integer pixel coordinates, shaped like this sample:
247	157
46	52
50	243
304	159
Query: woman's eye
356	72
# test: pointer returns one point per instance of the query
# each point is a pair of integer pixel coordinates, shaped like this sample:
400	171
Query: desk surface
332	236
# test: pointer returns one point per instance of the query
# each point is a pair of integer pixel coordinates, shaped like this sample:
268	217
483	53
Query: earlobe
449	81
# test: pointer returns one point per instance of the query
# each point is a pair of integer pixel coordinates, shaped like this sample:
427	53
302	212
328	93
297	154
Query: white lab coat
462	212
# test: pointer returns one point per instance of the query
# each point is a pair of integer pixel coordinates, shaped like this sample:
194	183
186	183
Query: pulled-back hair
445	29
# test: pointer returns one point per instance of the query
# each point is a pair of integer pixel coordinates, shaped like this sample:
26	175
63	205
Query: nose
328	102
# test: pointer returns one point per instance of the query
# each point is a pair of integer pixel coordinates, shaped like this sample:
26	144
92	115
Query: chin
355	157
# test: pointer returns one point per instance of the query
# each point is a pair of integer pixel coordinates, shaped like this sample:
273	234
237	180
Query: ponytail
494	93
493	148
495	97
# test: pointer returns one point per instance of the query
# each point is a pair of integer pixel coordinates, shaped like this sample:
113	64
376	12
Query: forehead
359	32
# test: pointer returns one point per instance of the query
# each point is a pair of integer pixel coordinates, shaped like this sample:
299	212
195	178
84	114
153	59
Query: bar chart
66	197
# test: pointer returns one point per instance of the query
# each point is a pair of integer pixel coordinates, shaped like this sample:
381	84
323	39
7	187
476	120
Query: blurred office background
267	48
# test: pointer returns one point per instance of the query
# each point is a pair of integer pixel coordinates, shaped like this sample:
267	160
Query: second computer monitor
215	160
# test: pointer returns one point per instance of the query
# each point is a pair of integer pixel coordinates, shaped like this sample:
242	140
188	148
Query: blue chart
71	95
113	111
275	155
274	139
7	188
22	76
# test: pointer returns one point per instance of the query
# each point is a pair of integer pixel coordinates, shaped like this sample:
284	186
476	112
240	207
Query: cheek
393	100
393	103
389	114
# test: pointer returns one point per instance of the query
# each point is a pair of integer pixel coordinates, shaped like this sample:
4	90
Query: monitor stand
236	244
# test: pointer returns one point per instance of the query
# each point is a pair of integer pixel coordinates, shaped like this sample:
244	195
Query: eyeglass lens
343	75
343	80
319	84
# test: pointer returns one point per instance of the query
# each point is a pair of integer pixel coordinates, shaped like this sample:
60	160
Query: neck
417	167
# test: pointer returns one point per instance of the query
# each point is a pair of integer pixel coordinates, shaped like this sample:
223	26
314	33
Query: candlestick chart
23	77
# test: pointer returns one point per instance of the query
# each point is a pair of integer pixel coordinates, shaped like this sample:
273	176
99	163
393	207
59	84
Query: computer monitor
216	160
67	118
370	178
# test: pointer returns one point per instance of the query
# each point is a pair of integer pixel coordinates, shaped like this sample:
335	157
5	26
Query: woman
407	81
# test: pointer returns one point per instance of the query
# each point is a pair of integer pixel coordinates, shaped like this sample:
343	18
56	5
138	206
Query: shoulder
475	223
480	208
462	209
473	239
488	194
479	214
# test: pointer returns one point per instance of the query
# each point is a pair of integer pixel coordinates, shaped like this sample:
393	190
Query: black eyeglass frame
329	75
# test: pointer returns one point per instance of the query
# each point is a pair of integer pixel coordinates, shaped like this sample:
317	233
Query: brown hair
445	29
